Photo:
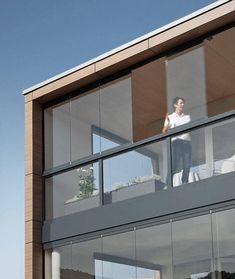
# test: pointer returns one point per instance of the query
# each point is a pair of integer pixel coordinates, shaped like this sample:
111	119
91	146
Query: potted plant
86	183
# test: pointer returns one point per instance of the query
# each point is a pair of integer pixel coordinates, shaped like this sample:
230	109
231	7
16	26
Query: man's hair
175	101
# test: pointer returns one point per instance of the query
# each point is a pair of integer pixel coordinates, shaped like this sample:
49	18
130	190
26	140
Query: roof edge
124	46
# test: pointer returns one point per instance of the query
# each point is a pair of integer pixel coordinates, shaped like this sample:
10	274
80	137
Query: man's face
180	105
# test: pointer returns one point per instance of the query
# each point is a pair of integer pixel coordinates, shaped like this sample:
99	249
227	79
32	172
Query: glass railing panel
223	138
135	173
190	159
72	191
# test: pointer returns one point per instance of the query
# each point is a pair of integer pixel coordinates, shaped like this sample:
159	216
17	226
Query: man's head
178	104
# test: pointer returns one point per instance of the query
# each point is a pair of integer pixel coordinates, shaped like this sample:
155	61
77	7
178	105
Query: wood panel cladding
149	104
33	190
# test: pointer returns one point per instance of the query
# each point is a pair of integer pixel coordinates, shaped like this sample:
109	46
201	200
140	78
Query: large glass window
223	135
192	247
116	113
77	260
154	252
134	107
224	243
85	262
72	191
135	173
58	263
196	247
185	74
220	72
57	135
149	99
118	257
85	115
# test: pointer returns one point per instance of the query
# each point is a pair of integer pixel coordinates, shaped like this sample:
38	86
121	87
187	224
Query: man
181	145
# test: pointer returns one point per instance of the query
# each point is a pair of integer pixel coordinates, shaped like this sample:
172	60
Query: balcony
142	168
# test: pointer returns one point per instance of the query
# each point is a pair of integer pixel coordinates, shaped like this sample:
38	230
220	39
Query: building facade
105	195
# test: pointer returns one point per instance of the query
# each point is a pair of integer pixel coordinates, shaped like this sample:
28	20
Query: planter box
134	190
83	204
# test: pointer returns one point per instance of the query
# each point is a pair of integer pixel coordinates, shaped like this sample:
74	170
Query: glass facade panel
187	83
154	252
135	173
77	260
57	135
58	263
118	257
220	72
190	160
85	118
224	243
192	247
197	247
149	99
134	107
116	113
86	263
223	135
72	191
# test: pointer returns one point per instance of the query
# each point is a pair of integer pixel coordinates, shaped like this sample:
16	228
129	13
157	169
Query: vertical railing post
169	162
101	182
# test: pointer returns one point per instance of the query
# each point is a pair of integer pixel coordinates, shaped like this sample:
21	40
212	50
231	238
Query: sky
40	39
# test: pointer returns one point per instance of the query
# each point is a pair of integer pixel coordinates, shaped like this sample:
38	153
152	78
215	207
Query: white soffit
133	42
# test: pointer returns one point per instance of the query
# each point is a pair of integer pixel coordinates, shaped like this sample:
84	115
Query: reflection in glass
57	135
84	264
189	82
197	247
135	173
192	247
153	250
116	113
223	147
84	116
224	243
119	256
72	191
58	263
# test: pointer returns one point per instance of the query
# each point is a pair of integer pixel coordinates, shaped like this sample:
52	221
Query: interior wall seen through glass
149	99
220	71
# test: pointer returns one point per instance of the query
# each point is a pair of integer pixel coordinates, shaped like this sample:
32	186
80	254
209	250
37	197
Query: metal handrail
132	146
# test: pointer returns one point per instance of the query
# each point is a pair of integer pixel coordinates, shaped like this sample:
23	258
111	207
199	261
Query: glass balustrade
179	159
